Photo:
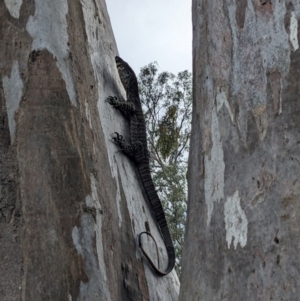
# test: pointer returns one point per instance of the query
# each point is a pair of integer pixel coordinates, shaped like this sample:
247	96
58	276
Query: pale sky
153	30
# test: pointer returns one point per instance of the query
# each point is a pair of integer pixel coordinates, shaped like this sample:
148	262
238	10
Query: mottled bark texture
242	238
70	206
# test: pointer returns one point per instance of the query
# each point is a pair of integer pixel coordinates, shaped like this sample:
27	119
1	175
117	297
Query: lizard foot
118	139
112	100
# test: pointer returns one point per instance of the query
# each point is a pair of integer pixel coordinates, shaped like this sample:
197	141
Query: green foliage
167	104
171	184
168	133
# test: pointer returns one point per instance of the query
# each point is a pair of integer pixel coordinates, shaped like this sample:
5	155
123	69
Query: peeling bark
242	234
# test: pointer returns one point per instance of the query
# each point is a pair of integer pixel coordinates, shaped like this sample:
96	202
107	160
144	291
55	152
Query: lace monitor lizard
137	150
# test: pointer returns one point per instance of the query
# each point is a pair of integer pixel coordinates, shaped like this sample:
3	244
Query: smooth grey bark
70	205
242	233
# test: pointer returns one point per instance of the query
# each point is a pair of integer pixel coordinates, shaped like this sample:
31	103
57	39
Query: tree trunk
242	238
71	207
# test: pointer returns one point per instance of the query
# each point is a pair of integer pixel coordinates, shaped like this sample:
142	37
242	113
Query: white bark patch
13	7
83	238
13	90
236	222
48	28
88	113
294	31
214	168
221	100
98	60
96	204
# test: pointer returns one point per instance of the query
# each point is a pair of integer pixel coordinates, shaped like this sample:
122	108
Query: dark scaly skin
138	151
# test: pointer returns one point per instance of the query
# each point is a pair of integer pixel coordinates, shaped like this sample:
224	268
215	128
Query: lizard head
126	74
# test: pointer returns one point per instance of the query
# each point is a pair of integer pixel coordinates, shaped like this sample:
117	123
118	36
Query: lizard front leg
126	106
134	150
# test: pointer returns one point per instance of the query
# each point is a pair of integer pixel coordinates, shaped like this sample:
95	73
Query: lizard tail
152	264
155	202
